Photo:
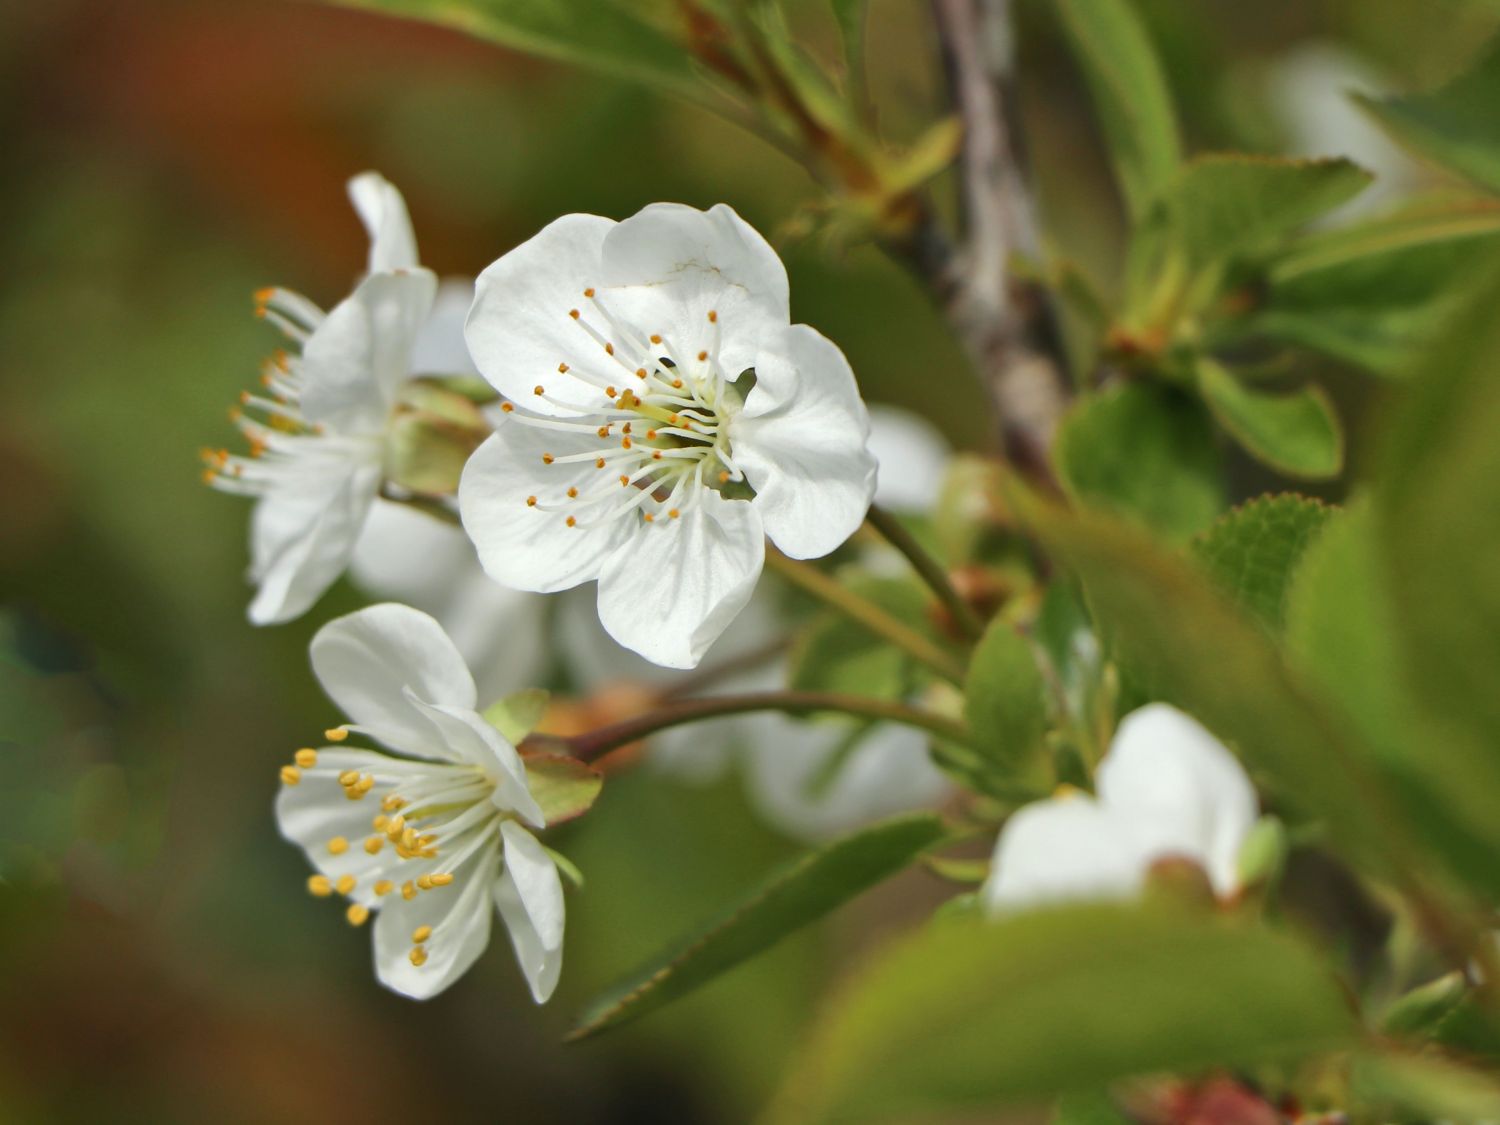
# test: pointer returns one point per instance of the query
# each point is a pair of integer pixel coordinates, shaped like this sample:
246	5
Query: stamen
357	914
319	885
307	759
337	734
418	956
384	887
374	844
421	934
290	775
338	845
345	884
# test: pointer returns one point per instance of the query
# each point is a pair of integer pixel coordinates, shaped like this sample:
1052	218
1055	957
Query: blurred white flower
637	449
913	458
317	437
1166	789
426	832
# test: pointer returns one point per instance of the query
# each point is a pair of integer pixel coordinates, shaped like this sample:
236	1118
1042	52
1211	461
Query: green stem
866	613
928	569
596	743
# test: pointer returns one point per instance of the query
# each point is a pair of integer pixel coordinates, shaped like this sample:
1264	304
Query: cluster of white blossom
655	417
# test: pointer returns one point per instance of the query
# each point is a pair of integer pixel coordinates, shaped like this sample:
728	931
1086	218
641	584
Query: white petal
1062	849
315	811
501	632
675	585
473	740
459	915
529	896
393	245
519	329
408	556
302	537
367	661
886	771
1182	791
354	362
439	348
525	547
669	265
801	440
913	456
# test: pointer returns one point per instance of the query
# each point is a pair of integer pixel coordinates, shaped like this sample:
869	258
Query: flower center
658	430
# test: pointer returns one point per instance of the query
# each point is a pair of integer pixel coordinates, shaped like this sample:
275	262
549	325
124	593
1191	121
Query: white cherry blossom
430	832
1166	789
638	448
317	434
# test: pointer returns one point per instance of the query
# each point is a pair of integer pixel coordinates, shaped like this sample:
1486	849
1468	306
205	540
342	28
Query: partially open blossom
1167	789
431	830
664	417
317	434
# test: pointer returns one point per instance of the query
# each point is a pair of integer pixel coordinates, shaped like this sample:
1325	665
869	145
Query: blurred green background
159	959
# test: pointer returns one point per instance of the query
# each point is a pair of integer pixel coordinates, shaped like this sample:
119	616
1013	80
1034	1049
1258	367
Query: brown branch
1006	325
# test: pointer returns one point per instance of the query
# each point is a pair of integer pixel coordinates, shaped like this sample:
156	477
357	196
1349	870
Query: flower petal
675	585
473	740
354	362
1181	789
367	660
519	329
439	348
801	440
529	896
302	535
529	547
669	265
408	556
913	457
393	244
1062	849
460	917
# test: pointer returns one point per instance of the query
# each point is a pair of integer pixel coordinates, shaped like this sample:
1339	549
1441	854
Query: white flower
317	438
638	450
913	456
1167	788
429	831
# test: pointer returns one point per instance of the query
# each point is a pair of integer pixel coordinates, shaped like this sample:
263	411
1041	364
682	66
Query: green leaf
1376	293
1130	95
1297	434
1180	641
1226	207
1425	1087
517	715
1418	1012
1146	452
564	787
813	886
1252	552
1454	126
966	1015
1005	699
835	654
597	34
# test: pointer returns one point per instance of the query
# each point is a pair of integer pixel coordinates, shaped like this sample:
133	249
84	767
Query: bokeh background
159	958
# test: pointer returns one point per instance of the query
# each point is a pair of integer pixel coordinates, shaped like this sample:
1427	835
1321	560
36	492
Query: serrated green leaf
518	714
814	885
1376	293
596	34
1252	552
1182	642
1145	452
1455	125
1130	95
564	787
967	1015
1297	434
1226	207
1005	700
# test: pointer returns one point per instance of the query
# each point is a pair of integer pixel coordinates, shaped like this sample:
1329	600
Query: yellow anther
713	316
656	339
572	493
625	443
345	884
531	501
650	518
573	313
380	821
307	759
702	356
409	839
571	522
625	429
589	292
677	384
357	914
424	882
319	885
290	775
384	887
394	827
562	368
599	463
338	845
609	349
353	793
348	778
656	456
640	372
538	390
442	879
408	891
374	843
547	458
337	734
418	956
610	392
421	934
366	783
650	435
624	480
392	802
673	514
506	407
603	431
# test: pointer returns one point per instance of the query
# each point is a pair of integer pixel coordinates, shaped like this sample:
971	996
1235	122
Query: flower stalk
894	532
596	743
